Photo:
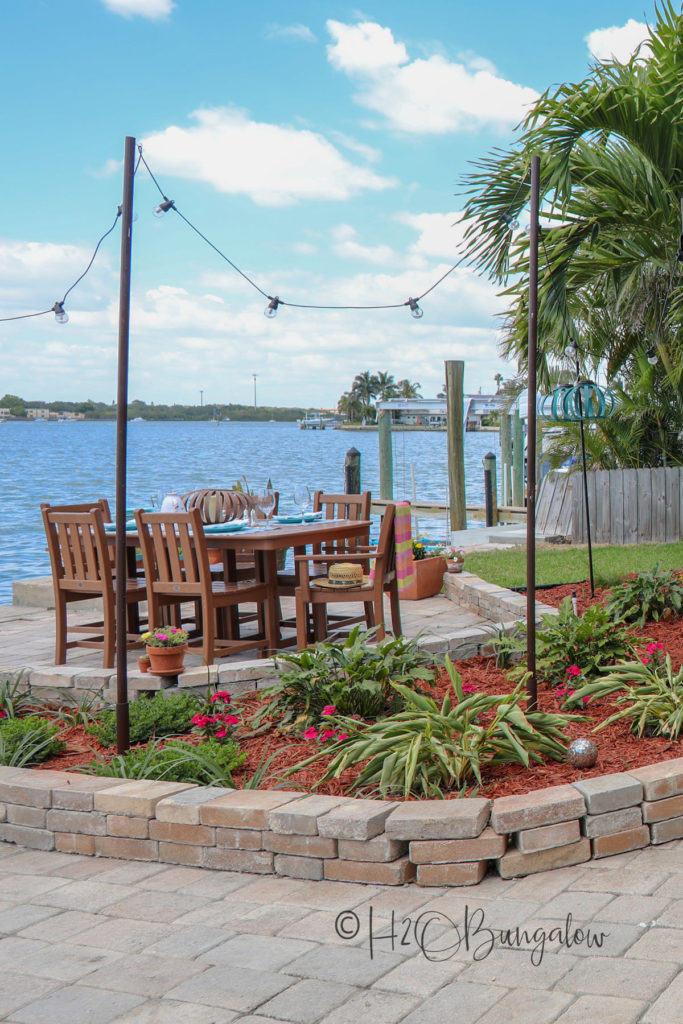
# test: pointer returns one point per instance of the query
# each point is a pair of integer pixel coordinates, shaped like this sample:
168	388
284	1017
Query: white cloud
153	9
108	169
300	32
272	164
33	275
346	246
439	235
618	42
431	95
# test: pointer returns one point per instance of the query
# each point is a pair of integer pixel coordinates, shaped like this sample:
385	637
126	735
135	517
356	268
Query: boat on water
316	421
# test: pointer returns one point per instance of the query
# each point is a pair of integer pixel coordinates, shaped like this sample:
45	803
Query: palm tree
611	180
406	389
386	386
499	380
350	408
364	388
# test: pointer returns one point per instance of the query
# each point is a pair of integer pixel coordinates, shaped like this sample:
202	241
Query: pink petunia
329	709
573	670
220	695
200	720
343	736
311	733
651	648
469	688
220	733
327	734
231	719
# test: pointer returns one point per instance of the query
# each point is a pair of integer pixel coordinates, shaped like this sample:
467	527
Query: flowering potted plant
166	649
428	570
454	557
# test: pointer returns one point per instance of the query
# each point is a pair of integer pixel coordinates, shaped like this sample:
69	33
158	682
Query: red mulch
618	749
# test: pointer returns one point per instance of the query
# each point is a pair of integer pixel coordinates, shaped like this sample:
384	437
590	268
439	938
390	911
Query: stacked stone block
432	842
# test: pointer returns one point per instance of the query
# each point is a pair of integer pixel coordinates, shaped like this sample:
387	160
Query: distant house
5	414
431	412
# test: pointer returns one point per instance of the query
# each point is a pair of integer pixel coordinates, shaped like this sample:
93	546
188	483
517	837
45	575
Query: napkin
308	517
231	527
131	526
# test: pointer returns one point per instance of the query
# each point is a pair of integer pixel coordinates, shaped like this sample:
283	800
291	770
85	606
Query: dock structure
432	412
317	421
506	513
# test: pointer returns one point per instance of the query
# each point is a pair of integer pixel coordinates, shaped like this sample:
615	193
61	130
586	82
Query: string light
651	355
509	220
271	309
61	316
415	310
164	206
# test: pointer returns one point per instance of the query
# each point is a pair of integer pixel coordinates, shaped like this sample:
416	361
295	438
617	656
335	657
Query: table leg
268	571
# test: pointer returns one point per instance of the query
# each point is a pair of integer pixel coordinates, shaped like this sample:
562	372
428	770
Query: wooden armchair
176	561
81	571
370	594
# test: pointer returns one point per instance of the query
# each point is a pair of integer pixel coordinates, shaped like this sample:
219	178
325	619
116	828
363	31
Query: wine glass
302	498
266	503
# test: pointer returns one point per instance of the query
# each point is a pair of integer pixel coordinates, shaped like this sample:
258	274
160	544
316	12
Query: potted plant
428	570
166	647
143	663
454	557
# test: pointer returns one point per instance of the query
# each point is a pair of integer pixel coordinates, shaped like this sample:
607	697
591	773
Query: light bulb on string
61	316
651	355
163	207
415	310
509	220
271	309
572	349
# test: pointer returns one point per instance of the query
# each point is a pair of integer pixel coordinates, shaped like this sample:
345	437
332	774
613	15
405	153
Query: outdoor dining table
265	544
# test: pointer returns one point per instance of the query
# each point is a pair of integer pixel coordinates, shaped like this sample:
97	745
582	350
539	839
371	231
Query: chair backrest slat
174	551
343	506
77	545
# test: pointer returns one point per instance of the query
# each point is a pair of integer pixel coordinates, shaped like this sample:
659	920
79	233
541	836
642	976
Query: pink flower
220	695
161	636
343	736
585	700
200	720
645	659
561	691
327	734
311	733
220	733
654	646
231	719
329	709
573	670
469	688
3	713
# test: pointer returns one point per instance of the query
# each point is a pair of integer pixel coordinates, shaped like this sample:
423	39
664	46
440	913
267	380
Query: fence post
490	490
352	472
517	461
386	467
506	459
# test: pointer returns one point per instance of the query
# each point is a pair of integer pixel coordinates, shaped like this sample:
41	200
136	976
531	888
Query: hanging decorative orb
576	402
582	753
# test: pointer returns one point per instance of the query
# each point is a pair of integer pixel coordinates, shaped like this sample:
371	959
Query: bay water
74	461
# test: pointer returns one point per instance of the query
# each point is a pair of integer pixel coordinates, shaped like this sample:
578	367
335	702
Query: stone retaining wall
489	600
434	842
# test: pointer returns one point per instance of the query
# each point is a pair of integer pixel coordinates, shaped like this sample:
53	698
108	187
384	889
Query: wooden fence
627	506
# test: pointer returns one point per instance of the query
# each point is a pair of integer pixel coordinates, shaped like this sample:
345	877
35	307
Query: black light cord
169	204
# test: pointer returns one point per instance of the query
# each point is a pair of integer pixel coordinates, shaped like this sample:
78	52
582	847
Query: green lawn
569	564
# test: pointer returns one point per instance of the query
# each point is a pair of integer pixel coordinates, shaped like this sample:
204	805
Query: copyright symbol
347	924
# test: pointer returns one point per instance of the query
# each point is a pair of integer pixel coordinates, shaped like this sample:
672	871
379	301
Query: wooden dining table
265	543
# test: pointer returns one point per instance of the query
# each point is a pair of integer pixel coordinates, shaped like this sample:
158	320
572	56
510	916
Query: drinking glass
302	498
266	502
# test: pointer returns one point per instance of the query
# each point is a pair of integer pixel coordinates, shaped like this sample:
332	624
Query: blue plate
231	527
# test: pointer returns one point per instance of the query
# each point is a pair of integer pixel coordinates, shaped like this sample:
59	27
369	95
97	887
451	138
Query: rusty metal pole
122	714
531	686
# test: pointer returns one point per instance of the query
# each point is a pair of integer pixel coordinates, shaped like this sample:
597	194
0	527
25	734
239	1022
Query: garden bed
619	749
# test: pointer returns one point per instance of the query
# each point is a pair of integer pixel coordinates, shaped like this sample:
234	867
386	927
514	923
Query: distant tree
408	390
499	380
16	405
386	386
365	388
350	407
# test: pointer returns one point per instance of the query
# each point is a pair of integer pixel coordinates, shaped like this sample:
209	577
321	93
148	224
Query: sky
320	146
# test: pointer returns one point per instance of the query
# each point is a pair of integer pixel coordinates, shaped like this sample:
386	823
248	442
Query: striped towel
404	545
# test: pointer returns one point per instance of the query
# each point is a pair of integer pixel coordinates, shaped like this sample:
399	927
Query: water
75	461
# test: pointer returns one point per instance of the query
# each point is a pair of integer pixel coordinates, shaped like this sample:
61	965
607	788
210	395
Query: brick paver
107	940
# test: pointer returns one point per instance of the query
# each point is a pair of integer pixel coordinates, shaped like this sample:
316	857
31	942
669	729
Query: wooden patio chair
176	561
333	506
82	571
311	596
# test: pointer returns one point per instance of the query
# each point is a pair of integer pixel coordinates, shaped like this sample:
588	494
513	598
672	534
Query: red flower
220	695
573	670
230	720
469	688
311	733
329	709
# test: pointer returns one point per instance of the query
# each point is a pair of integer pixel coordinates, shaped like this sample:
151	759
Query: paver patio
75	946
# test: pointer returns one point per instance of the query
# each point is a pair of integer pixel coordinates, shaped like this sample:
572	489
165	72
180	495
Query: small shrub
82	708
593	641
354	676
150	718
28	741
646	597
207	764
15	699
426	750
652	698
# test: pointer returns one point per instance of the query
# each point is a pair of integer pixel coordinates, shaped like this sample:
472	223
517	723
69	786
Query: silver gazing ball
582	753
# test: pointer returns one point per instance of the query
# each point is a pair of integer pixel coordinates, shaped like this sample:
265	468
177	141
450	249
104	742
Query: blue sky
319	145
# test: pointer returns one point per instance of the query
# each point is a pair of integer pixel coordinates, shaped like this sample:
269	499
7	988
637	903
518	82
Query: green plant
507	647
420	550
82	708
27	741
215	719
165	636
150	717
592	641
646	596
426	750
15	700
208	764
354	676
652	699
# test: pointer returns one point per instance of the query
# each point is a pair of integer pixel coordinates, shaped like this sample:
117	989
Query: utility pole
201	398
254	375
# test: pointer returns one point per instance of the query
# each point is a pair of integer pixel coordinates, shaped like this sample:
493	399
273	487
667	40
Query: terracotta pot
143	663
454	565
166	661
427	579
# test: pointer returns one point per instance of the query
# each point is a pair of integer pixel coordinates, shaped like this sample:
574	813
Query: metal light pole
201	399
254	375
122	715
531	686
